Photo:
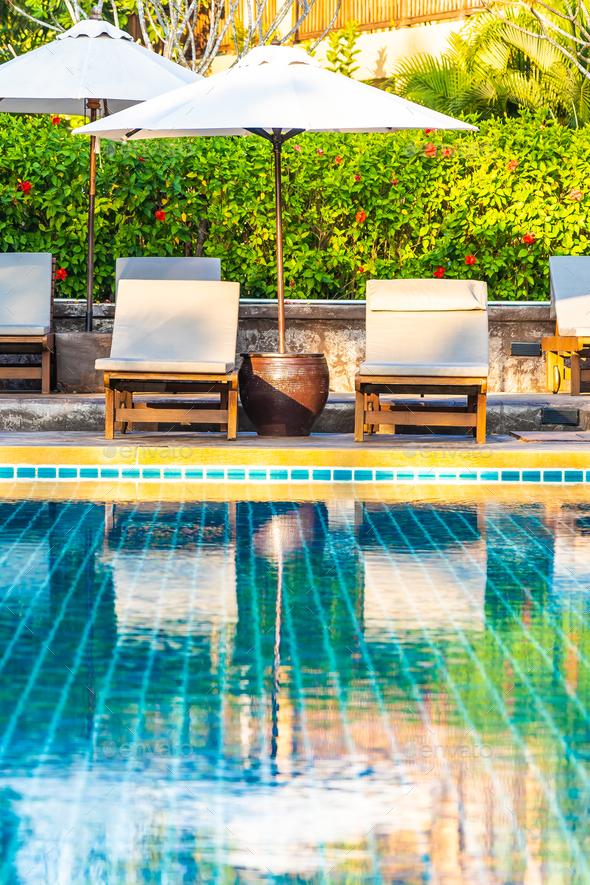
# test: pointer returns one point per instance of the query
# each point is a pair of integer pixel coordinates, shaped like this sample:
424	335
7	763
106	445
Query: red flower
394	181
529	238
575	194
296	147
470	260
362	269
338	159
320	152
160	214
292	283
357	178
25	187
439	272
511	165
360	216
430	149
60	274
446	151
141	159
56	121
429	131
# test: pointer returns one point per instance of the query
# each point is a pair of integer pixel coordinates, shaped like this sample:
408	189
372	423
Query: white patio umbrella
92	66
275	92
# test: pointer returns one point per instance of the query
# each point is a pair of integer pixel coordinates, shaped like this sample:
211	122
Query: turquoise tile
300	474
382	475
574	476
510	475
342	475
279	474
322	475
88	472
447	476
363	475
236	474
46	472
217	473
151	473
193	474
588	476
6	472
402	475
25	472
489	476
257	474
131	473
68	473
552	476
109	473
471	476
170	473
429	475
531	476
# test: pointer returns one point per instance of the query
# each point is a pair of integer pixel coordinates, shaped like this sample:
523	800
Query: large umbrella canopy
275	92
91	67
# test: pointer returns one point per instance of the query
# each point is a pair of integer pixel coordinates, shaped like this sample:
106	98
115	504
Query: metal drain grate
525	348
560	416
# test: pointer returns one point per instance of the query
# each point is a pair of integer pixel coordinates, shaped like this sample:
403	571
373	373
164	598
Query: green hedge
394	205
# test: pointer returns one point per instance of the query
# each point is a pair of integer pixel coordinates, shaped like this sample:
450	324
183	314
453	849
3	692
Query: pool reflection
255	690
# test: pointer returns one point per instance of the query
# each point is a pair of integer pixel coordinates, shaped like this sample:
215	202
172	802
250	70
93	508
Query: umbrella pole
277	145
93	104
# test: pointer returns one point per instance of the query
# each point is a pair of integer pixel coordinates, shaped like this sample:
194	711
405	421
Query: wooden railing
373	15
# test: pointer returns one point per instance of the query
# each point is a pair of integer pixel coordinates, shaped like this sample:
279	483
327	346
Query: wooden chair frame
559	348
370	413
122	413
43	344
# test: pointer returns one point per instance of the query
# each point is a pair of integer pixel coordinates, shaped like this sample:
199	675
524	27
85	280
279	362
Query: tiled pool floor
349	688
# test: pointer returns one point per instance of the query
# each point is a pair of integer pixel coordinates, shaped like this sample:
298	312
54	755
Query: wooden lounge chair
570	307
27	283
424	337
173	337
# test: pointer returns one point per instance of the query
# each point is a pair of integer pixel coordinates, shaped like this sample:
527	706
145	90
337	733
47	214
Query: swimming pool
345	689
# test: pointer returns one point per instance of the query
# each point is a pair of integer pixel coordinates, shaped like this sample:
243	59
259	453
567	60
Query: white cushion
426	295
570	293
427	340
25	292
178	366
156	268
174	326
24	330
452	370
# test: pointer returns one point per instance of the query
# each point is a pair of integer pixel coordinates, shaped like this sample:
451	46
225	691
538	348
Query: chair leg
46	370
575	374
232	416
359	416
372	400
125	402
480	428
109	397
472	407
223	405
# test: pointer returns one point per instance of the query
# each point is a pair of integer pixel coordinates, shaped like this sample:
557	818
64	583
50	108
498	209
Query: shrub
356	206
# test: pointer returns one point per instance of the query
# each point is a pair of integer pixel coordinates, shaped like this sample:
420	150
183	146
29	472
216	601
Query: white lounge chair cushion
449	370
570	294
427	295
214	368
427	343
25	293
156	268
174	326
24	330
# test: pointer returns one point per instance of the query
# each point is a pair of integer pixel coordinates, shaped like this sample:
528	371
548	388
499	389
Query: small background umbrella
91	67
275	92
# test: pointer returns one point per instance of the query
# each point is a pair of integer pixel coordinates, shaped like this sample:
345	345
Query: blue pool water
338	691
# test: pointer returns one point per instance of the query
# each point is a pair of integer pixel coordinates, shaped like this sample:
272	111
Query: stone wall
336	328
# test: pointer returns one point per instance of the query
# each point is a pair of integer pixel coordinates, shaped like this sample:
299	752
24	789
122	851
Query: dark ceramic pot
283	394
